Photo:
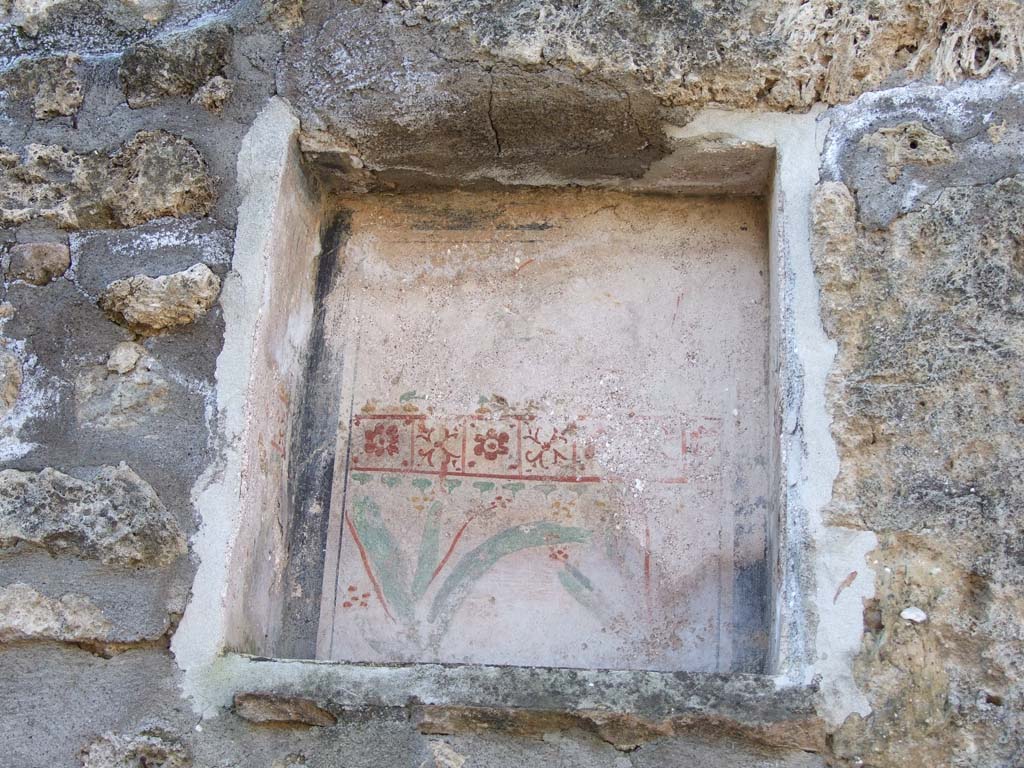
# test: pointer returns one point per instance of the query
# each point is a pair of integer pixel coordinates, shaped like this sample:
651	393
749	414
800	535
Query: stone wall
120	127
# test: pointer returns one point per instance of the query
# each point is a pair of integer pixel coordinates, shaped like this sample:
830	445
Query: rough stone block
150	304
11	379
124	392
39	263
154	174
174	66
28	615
50	83
116	517
214	93
271	708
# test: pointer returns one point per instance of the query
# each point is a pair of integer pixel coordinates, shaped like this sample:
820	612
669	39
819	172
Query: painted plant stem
385	555
451	549
367	568
429	543
477	562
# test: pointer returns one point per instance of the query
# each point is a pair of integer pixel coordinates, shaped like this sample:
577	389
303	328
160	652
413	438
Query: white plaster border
267	151
818	626
819	622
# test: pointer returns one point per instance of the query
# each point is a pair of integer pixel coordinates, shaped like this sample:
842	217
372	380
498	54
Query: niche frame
269	309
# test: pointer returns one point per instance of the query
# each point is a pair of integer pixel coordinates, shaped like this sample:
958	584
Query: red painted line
366	567
448	554
524	264
395	416
486	475
647	565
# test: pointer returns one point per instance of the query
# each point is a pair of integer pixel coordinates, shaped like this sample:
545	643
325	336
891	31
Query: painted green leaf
477	562
580	588
483	486
384	554
422	483
405	397
451	485
430	545
391	480
513	488
546	488
360	477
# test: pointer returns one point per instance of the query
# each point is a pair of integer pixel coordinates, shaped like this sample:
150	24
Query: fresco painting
551	448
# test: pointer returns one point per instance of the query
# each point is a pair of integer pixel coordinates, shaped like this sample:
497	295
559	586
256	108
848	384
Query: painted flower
492	445
355	599
381	440
561	554
549	449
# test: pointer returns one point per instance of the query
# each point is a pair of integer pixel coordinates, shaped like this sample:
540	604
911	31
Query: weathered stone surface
109	398
283	14
39	263
445	756
214	93
150	304
918	253
158	174
116	517
11	379
393	83
926	396
834	51
33	16
834	217
154	174
625	732
149	748
271	708
28	615
51	84
909	143
173	66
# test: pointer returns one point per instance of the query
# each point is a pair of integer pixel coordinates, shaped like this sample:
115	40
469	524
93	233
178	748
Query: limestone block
33	17
150	304
25	614
39	263
174	66
116	517
157	174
